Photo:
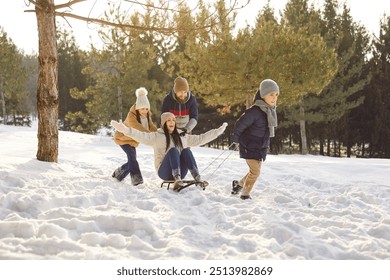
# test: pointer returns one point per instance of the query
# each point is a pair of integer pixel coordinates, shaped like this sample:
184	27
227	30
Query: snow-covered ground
303	207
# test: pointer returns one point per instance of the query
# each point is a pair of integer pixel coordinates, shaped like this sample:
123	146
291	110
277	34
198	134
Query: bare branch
165	30
150	6
32	2
158	7
67	5
35	4
118	25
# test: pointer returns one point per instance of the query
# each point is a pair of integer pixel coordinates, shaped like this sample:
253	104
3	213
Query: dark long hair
138	116
175	137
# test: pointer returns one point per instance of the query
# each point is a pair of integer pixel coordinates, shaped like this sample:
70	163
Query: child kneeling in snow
172	156
252	133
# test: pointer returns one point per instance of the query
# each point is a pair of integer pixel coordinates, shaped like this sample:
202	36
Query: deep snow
303	207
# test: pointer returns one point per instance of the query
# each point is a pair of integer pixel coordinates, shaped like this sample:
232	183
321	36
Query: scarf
271	115
144	122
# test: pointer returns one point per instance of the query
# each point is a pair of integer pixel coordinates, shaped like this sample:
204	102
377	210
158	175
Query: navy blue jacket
252	133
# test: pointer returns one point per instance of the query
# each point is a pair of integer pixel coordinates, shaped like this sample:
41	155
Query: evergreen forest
334	76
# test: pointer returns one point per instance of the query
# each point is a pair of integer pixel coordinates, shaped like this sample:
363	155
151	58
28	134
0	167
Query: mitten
119	126
222	128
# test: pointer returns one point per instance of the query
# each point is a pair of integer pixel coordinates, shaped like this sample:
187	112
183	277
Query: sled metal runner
187	183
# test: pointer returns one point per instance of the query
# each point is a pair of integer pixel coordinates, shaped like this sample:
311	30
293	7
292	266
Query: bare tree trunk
339	148
3	101
302	125
47	90
248	101
120	104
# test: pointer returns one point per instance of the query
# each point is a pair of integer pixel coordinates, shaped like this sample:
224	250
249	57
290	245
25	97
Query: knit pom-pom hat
142	98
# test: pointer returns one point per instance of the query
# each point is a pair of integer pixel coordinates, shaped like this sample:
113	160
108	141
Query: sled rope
224	151
226	157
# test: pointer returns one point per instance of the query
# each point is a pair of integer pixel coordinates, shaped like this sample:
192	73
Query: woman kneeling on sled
172	156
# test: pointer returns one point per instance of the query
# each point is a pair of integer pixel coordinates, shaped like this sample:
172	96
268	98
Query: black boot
118	173
137	179
236	188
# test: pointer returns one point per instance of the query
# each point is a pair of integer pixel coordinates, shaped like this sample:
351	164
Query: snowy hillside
303	207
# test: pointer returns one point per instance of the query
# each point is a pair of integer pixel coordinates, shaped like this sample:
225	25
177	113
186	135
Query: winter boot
178	183
118	174
236	188
195	173
137	179
245	192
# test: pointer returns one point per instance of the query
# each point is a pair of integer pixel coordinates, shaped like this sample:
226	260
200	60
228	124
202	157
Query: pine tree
71	61
30	63
13	80
335	102
375	112
115	73
312	68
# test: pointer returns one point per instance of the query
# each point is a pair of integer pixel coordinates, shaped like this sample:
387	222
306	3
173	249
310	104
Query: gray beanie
268	86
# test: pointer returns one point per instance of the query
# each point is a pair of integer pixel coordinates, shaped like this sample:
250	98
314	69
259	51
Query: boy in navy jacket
252	133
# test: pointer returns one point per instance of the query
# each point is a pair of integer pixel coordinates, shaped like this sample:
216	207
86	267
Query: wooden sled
187	183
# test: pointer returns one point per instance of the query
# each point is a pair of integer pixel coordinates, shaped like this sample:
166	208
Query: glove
119	126
184	131
222	128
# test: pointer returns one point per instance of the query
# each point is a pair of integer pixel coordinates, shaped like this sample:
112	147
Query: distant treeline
334	76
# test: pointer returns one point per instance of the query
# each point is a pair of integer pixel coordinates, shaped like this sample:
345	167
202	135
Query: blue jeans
174	161
131	166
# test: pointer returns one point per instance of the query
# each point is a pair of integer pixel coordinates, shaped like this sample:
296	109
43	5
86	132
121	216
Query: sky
302	208
21	26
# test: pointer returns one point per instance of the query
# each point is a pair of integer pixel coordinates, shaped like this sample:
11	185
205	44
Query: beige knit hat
165	116
180	84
